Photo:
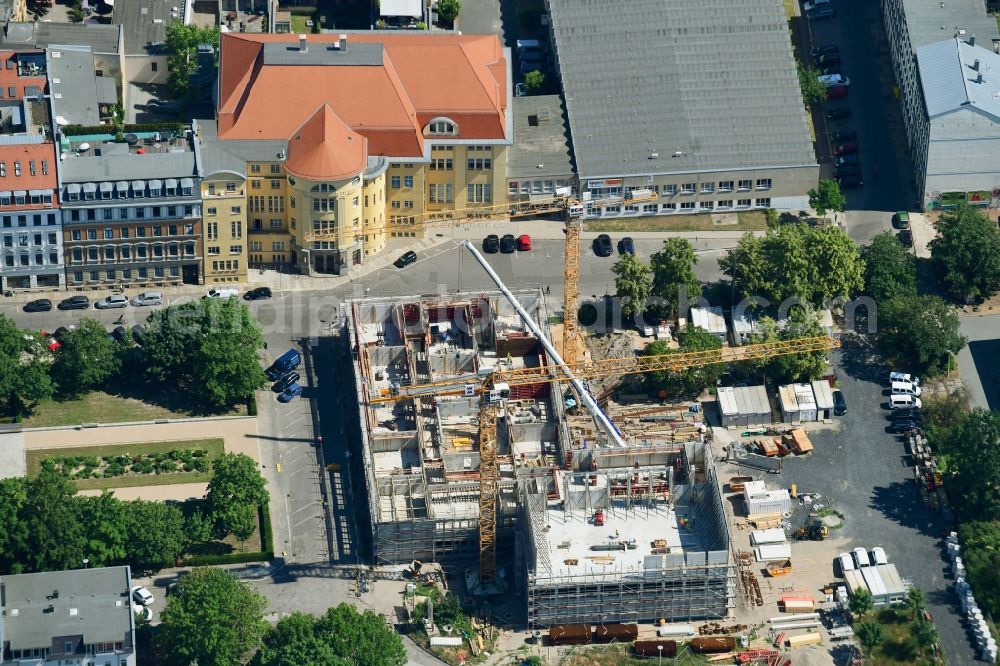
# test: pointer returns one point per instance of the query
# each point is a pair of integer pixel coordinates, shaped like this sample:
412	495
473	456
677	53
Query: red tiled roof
25	153
9	78
462	77
325	148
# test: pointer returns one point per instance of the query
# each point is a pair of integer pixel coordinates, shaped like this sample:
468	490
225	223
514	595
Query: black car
285	382
839	113
119	334
138	331
626	246
847	182
829	60
602	246
906	238
75	303
491	244
508	244
848	170
843	136
844	160
899	427
257	294
824	50
906	415
824	12
41	305
405	260
839	404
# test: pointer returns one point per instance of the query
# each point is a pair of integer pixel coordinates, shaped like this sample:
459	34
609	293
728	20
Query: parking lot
863	472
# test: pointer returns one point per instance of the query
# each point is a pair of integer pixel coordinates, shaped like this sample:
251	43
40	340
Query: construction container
773	535
675	630
569	634
797	441
615	633
804	639
798	605
759	499
652	648
773	551
712	644
775	569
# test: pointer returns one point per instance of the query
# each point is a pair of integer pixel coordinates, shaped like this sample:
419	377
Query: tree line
46	526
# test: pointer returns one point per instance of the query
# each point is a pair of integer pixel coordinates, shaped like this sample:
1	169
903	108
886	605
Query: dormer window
442	126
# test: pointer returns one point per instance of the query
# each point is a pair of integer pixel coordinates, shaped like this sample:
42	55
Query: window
212	231
743	203
407	181
140	232
109	275
140	213
256	246
407	204
124	232
763	183
189	249
764	203
230	187
687	205
688	188
172	230
143	272
275	223
75	234
95	276
277	246
275	168
395	204
479	193
109	233
126	252
235	249
91	234
236	229
394	181
441	193
157	230
78	276
707	188
745	185
275	184
127	275
254	168
479	163
440	127
154	65
77	254
213	250
725	186
255	183
158	271
109	254
442	164
211	210
275	204
724	203
108	213
141	253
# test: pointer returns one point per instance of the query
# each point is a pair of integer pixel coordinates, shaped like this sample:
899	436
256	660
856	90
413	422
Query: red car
524	242
836	92
846	149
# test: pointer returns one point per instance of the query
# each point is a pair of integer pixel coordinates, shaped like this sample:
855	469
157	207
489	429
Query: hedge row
303	11
75	130
266	536
229	558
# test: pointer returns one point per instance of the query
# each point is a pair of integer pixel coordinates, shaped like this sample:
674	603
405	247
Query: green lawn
214	447
899	648
101	407
748	221
299	26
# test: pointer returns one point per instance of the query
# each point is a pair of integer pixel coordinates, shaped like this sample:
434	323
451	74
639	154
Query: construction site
606	513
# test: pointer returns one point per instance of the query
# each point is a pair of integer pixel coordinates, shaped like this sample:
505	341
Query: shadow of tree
898	502
860	358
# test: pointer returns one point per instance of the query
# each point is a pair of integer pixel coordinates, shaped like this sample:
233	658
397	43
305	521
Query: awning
107	186
139	185
156	184
171	183
39	193
20	193
5	195
73	188
122	187
90	187
187	182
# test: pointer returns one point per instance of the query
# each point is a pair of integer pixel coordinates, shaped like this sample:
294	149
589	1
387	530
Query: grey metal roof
73	84
126	167
101	38
711	81
357	53
233	155
92	603
955	75
144	23
963	154
540	138
929	21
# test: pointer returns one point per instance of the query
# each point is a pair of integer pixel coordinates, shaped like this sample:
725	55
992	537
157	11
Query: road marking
278	467
318	515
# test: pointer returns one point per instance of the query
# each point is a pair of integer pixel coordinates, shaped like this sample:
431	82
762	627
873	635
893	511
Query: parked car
626	246
290	393
491	244
842	135
405	260
824	50
119	334
74	303
904	377
283	364
39	305
849	148
821	13
286	381
850	182
848	170
840	113
508	244
142	612
910	414
844	160
830	80
257	294
142	595
830	69
836	92
810	5
839	404
828	60
138	331
148	298
901	220
906	238
524	242
602	246
899	427
113	301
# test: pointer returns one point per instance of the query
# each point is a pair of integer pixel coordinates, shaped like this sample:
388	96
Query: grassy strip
96	407
214	447
748	221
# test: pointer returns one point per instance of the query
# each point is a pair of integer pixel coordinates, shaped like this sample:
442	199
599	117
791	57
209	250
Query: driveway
865	473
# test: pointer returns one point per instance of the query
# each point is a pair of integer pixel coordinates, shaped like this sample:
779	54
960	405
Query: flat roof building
710	319
60	617
539	161
743	406
798	403
699	102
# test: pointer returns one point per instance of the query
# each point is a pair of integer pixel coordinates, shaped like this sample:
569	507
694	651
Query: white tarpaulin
400	8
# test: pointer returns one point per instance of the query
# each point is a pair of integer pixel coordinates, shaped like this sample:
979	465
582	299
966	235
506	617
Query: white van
148	298
861	558
846	563
223	292
878	555
904	401
904	388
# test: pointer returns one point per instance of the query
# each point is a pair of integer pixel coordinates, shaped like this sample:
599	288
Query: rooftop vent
979	78
342	42
972	39
303	47
654	156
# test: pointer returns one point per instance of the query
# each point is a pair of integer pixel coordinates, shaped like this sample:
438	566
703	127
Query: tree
691	382
234	493
914	601
76	12
182	56
534	81
827	197
13	530
155	533
966	254
861	602
632	282
919	333
212	618
294	641
924	633
673	270
802	322
448	10
890	269
208	349
870	633
363	639
24	368
103	517
974	455
197	528
813	90
54	532
86	360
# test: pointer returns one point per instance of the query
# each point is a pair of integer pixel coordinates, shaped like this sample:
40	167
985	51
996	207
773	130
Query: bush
266	536
74	130
252	405
229	558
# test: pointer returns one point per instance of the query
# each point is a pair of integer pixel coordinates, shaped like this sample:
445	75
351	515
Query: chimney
975	65
343	41
303	47
972	40
979	78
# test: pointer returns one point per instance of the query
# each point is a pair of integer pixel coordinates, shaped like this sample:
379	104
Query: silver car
113	301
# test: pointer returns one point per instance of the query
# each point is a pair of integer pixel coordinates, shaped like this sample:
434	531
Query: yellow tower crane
494	384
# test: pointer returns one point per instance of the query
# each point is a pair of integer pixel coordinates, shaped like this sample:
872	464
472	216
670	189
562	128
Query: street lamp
659	650
86	562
